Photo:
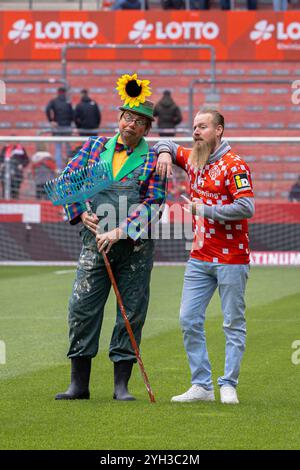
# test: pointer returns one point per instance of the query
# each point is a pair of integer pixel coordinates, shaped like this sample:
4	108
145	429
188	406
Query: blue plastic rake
79	185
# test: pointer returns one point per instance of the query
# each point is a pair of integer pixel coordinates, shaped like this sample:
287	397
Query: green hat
144	109
134	92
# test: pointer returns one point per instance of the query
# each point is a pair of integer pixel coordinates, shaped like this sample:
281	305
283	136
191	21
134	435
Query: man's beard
199	155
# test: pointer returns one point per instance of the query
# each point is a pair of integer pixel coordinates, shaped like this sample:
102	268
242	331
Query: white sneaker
228	395
195	393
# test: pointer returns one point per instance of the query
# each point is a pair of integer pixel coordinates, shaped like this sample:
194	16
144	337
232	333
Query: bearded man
222	201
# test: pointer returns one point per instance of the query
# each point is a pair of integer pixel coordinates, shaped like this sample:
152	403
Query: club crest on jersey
242	182
214	172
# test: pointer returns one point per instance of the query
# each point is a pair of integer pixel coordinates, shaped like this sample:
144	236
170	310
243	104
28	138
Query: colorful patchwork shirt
151	188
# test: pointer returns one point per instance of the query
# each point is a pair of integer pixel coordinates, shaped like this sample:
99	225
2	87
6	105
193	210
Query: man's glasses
130	118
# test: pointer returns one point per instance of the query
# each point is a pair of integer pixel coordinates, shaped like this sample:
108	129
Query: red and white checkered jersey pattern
219	183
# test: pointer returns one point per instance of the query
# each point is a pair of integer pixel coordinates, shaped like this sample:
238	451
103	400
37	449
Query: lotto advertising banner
237	35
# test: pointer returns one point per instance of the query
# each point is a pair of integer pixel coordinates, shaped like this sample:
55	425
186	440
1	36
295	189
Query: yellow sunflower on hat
132	90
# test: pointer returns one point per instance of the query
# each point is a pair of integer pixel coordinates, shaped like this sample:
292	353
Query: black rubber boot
80	377
122	373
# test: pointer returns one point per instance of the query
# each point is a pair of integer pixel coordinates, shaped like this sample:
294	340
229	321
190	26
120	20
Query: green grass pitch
33	326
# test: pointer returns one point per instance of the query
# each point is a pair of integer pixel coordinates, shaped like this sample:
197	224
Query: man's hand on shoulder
164	165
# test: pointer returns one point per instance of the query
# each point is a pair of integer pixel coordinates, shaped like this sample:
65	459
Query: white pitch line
66	271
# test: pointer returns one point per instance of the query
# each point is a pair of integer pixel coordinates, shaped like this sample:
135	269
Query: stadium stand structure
250	109
106	4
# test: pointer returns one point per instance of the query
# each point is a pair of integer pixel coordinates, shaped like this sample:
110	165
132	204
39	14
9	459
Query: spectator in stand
280	5
294	195
16	157
204	4
252	4
173	4
199	4
129	5
224	4
87	115
168	114
43	169
229	4
60	114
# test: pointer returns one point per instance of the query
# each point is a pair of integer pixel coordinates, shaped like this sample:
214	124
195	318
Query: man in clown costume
131	202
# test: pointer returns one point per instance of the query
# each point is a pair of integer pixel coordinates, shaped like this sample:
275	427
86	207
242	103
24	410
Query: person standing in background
15	156
280	5
87	115
294	194
60	114
168	114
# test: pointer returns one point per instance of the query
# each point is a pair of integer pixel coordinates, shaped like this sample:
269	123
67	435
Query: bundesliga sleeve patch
242	182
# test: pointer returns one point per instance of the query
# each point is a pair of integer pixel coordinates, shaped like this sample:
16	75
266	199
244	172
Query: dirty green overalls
131	264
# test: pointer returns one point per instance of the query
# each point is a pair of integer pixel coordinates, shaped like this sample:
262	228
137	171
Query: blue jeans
200	282
280	5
